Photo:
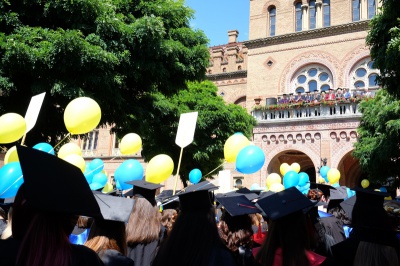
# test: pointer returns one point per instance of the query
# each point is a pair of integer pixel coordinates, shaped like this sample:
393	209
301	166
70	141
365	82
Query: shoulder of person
113	257
84	256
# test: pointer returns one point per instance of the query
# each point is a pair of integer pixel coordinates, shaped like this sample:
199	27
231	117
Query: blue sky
216	17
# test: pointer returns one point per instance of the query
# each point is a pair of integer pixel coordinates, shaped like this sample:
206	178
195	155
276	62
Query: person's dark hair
340	214
144	223
105	235
236	231
43	235
375	254
289	233
192	238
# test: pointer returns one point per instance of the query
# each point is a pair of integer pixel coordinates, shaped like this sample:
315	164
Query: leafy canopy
114	51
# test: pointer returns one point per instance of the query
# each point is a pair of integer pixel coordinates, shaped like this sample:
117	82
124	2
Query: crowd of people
328	95
55	219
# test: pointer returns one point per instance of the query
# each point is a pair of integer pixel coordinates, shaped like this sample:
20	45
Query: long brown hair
144	223
168	219
289	233
105	235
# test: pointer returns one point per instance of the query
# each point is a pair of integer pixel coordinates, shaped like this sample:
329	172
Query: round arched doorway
293	156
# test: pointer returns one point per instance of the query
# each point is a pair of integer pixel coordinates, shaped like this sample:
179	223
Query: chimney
233	34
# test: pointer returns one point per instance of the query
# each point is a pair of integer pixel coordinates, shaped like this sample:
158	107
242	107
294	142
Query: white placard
224	181
33	111
186	128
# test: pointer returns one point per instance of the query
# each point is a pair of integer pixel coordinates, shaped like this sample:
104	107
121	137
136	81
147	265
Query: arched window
272	21
356	10
371	8
364	74
311	78
326	9
313	14
299	17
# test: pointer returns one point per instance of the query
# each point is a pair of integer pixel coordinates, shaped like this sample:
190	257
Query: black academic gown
81	255
144	253
112	257
221	256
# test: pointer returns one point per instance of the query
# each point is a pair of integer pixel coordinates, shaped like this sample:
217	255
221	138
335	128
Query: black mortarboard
330	89
348	205
238	205
285	94
52	184
337	196
316	90
196	197
291	93
144	189
323	187
283	203
249	196
114	208
307	92
265	194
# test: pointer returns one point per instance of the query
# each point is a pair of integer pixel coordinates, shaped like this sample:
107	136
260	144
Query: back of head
191	240
236	231
144	223
107	234
375	254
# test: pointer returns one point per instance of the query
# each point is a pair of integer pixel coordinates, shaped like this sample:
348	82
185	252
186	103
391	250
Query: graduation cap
265	194
291	93
337	196
284	203
249	196
52	184
307	92
114	208
144	189
285	94
196	197
348	205
326	189
238	205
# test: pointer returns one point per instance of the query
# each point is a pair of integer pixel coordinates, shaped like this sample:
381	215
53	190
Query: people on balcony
299	98
347	94
331	95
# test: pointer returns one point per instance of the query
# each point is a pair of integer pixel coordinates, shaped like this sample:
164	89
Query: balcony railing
301	112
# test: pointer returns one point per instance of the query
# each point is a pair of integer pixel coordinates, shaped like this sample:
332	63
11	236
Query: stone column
320	15
304	9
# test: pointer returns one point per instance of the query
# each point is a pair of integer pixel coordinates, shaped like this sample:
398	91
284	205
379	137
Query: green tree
378	147
114	51
216	122
384	40
378	144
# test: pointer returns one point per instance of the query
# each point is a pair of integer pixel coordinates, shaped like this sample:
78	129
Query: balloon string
215	168
66	136
11	185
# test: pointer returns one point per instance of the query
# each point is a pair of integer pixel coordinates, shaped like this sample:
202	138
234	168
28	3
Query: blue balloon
336	185
350	193
129	170
383	189
290	179
195	176
10	179
100	178
117	185
238	133
324	172
250	159
95	186
96	166
45	147
303	179
255	186
88	175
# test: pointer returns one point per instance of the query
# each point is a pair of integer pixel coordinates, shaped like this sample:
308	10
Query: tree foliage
378	144
216	122
384	40
114	51
378	147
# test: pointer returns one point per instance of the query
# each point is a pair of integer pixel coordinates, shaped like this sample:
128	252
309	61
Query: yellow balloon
107	188
11	155
321	180
76	160
276	187
365	183
68	149
130	143
295	167
12	127
159	168
333	175
284	168
233	145
273	178
82	115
